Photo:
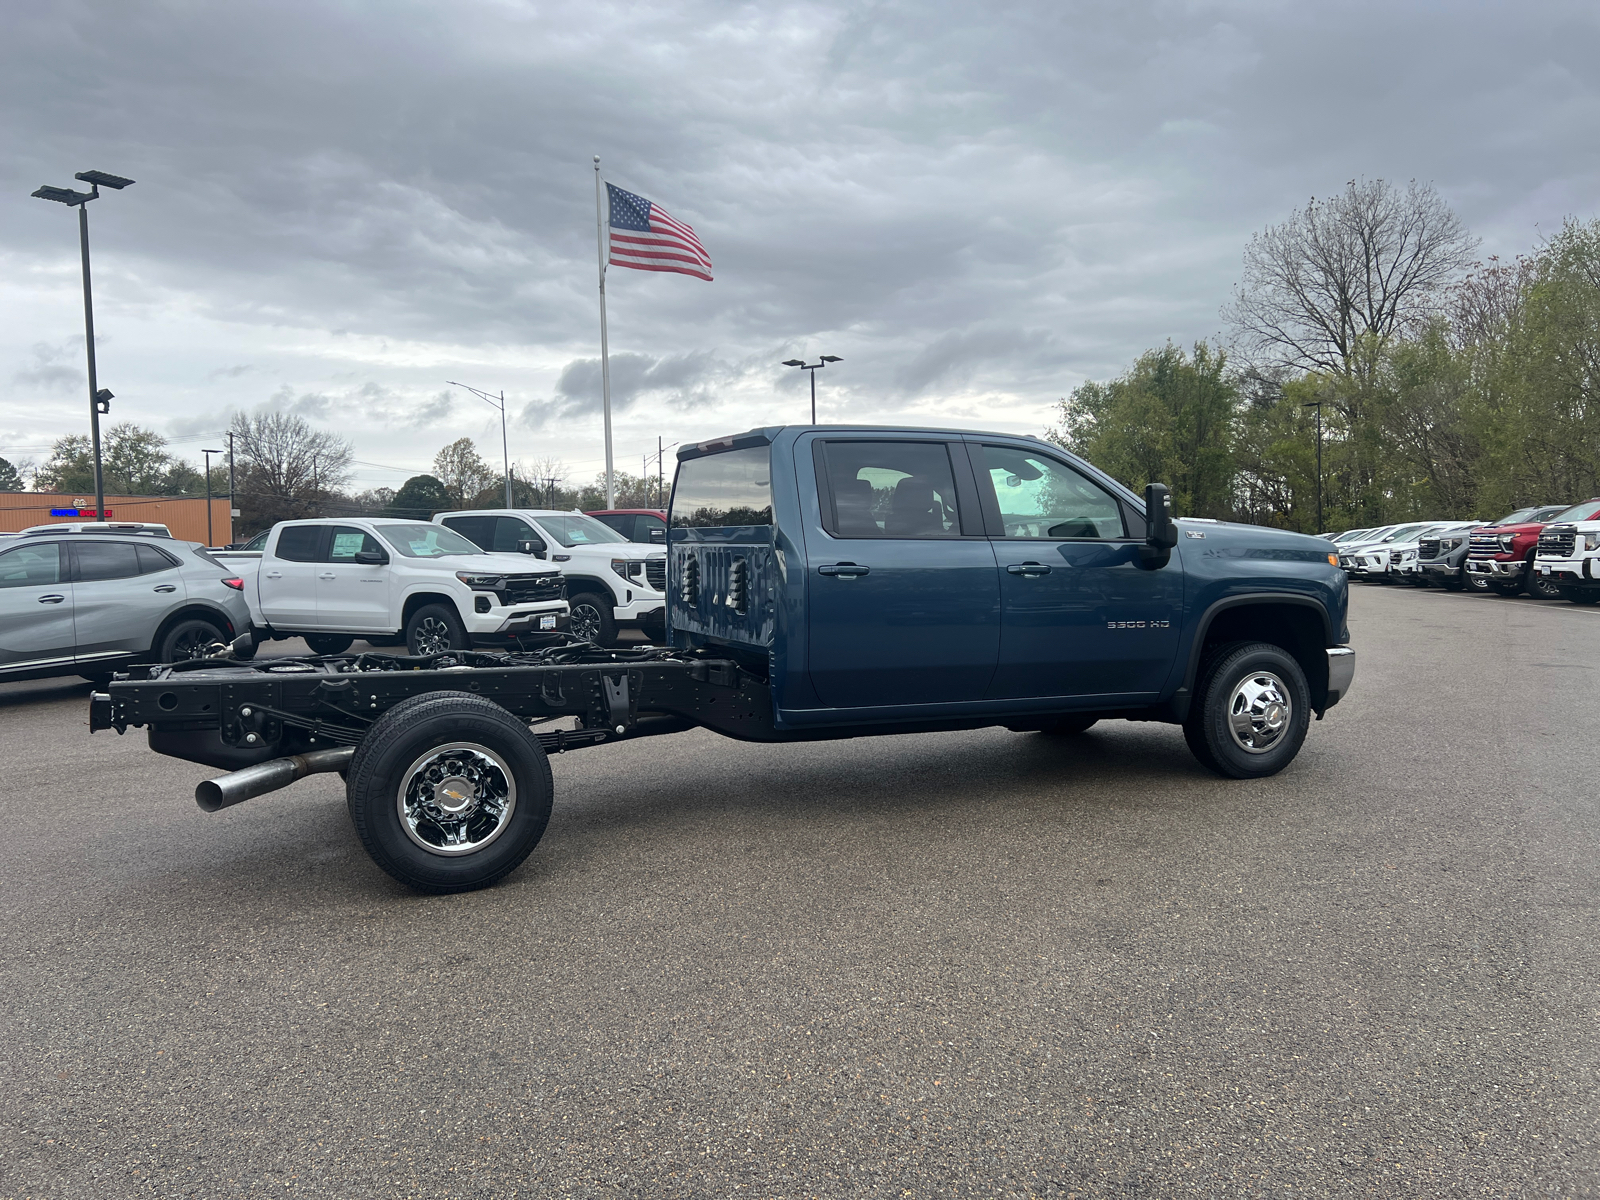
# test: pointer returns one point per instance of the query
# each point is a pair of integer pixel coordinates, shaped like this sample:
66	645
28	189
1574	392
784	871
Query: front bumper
1496	568
503	624
1341	673
1569	570
642	609
1439	567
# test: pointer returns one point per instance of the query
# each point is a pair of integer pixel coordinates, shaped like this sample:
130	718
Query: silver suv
77	604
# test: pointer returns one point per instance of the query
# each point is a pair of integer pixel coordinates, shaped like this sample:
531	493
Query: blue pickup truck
823	582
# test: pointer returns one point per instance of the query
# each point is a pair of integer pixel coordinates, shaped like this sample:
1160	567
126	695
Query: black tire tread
1220	662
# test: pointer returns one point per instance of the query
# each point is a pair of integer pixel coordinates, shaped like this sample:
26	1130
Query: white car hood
507	564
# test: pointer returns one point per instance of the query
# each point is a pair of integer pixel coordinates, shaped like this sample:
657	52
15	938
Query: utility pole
233	506
661	479
211	538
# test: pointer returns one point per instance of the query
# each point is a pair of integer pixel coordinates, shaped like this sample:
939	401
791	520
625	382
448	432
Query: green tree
464	474
419	498
1172	418
10	477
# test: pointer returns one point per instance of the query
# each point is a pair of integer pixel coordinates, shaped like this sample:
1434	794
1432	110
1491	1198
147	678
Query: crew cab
822	583
612	583
1503	555
394	582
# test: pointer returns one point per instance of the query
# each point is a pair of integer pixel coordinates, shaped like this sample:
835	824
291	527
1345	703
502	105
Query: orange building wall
185	517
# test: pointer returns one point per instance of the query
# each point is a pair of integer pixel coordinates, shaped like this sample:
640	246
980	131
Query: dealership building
184	515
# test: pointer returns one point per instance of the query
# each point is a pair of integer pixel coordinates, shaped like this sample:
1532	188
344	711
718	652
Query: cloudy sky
341	205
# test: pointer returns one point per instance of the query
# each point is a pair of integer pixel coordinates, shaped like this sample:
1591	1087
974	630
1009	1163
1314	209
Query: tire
1456	584
328	643
464	738
435	629
592	618
1260	679
1474	583
1067	726
1542	587
185	639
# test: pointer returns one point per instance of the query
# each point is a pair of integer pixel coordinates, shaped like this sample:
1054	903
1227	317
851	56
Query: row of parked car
1550	551
89	598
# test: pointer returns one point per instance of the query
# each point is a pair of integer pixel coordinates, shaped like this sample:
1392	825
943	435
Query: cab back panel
722	592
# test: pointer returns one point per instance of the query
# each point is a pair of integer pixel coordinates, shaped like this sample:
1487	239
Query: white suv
397	581
611	582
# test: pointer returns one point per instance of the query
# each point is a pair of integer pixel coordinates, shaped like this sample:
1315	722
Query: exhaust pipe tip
236	787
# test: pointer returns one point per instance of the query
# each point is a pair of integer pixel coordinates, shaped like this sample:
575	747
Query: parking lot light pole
99	399
210	540
812	368
1317	404
505	446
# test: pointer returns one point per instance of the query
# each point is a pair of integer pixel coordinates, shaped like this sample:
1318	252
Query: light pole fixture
210	540
99	398
505	446
813	368
1317	404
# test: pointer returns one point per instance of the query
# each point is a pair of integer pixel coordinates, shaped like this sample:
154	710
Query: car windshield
1350	535
1578	512
425	541
579	530
1405	533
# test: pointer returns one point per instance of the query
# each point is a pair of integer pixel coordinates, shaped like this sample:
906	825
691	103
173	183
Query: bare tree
462	470
1485	304
1344	273
287	467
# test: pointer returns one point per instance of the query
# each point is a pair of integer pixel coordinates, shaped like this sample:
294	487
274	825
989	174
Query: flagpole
605	353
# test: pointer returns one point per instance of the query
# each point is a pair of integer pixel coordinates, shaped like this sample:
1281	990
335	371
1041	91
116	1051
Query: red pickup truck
1501	554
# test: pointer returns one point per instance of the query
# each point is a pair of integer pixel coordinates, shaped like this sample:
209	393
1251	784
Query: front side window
890	489
1040	497
577	529
510	532
31	566
426	541
346	543
732	489
99	561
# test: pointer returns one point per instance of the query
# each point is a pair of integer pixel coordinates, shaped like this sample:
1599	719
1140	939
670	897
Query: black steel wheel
449	792
1251	710
592	618
188	639
328	643
435	629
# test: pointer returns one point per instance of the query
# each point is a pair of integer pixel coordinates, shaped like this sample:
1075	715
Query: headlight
486	583
631	569
1448	544
1591	541
1507	540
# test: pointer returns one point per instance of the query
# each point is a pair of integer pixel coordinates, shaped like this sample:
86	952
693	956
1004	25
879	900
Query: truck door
287	580
1080	616
902	592
353	596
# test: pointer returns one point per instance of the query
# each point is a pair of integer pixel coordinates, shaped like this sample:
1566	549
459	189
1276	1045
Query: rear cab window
726	496
299	543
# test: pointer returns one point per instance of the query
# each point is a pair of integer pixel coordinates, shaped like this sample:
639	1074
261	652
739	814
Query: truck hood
1196	534
1518	530
509	564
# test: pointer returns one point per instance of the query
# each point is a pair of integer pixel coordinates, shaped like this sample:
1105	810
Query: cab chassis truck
823	583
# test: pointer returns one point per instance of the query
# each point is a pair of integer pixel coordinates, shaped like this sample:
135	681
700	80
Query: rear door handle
327	575
51	599
846	569
274	574
166	587
1028	568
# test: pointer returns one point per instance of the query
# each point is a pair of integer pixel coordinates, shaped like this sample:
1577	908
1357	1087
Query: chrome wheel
586	622
1259	712
456	799
433	636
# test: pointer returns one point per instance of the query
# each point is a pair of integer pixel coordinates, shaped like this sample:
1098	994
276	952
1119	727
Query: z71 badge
1138	624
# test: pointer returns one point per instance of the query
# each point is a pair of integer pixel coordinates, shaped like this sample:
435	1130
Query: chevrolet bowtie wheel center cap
455	794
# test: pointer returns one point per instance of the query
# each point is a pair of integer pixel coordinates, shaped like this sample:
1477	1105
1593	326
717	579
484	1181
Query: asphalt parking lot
940	965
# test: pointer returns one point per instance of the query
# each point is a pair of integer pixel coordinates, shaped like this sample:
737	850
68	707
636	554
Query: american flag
645	238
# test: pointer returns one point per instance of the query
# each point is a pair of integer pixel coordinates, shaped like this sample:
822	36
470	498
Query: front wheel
1474	583
449	792
1542	587
434	629
592	619
1252	707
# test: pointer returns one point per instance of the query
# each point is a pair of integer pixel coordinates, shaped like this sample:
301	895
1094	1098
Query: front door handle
51	599
327	575
166	587
274	574
1028	568
848	570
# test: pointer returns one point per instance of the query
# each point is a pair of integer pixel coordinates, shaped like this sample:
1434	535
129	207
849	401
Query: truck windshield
722	491
425	541
1522	514
579	530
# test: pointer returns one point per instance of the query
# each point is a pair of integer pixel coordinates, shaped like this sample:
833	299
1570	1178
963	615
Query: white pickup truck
388	582
612	583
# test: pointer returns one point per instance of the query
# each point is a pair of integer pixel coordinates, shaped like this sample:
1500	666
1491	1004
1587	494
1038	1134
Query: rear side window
477	530
889	489
99	561
722	491
152	560
30	566
299	543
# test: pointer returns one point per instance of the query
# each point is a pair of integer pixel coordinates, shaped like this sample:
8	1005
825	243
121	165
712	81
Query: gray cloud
52	369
